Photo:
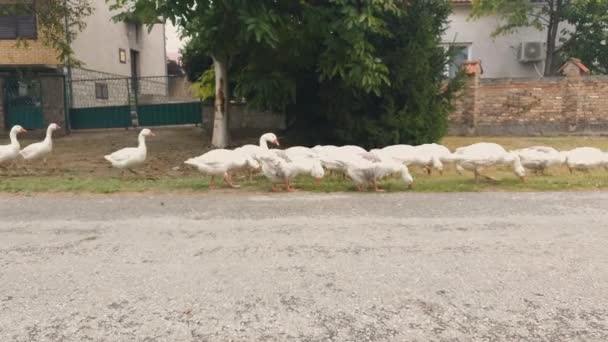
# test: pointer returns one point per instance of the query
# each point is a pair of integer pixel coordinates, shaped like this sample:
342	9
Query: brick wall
571	104
34	53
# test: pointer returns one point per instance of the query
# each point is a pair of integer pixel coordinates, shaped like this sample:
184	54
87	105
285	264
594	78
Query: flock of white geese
365	168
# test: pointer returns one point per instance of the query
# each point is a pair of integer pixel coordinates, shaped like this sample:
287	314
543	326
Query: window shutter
26	26
8	29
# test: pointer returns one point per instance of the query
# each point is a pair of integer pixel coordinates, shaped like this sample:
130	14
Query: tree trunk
220	137
552	30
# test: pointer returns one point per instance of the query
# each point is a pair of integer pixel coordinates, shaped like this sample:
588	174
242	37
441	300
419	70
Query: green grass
449	182
78	177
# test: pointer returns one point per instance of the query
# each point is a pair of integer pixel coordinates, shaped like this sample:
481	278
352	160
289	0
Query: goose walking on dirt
130	157
10	152
40	150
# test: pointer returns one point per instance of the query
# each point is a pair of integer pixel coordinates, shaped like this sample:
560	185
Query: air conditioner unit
531	52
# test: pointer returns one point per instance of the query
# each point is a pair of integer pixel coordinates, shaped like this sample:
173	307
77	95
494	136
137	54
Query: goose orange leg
376	188
229	181
287	187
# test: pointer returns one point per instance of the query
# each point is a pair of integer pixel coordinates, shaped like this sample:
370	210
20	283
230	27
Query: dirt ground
81	153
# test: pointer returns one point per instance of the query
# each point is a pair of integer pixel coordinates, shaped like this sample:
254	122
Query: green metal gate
24	103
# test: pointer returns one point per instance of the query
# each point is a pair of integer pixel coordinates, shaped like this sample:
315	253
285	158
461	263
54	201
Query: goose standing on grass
478	157
222	162
369	168
130	157
540	158
404	154
585	159
433	156
10	152
40	149
278	167
251	151
301	151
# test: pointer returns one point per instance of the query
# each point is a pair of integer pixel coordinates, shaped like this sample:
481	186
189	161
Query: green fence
100	117
169	114
125	102
24	103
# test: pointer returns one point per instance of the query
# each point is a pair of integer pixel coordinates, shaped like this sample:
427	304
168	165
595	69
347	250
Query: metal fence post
66	104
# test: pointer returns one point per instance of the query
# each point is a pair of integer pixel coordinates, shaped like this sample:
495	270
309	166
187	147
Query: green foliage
369	72
412	105
195	60
204	87
515	14
589	38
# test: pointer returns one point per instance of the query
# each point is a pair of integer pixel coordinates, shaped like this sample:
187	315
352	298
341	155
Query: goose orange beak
276	142
22	130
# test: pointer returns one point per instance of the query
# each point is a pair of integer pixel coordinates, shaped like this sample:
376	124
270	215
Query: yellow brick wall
34	53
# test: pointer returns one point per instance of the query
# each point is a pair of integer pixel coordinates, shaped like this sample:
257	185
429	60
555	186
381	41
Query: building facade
516	55
111	54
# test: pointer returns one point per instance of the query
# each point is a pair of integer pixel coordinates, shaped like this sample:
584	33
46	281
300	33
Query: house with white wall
516	55
110	52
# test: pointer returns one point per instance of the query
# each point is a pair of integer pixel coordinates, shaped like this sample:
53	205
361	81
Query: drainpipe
68	79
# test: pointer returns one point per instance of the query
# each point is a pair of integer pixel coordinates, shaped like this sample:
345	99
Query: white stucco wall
498	55
98	45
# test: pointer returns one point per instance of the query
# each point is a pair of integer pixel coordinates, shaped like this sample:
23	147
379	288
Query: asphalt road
304	267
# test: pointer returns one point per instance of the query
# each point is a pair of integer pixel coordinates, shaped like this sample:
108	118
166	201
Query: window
462	53
101	91
17	22
122	56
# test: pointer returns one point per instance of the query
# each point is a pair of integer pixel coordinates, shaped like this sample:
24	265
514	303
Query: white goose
278	167
40	149
540	158
222	162
130	157
585	159
251	151
301	151
433	156
479	156
411	156
11	151
368	168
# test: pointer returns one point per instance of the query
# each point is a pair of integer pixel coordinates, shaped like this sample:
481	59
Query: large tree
543	15
228	29
223	30
59	22
587	37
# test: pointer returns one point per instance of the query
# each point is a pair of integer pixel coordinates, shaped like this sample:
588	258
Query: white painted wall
98	45
498	55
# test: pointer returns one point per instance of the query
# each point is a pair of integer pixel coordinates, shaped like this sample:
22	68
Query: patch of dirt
81	153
